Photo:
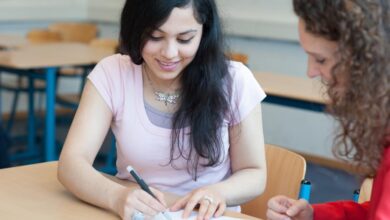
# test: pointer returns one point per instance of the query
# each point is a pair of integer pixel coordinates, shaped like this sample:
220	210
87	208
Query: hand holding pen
139	214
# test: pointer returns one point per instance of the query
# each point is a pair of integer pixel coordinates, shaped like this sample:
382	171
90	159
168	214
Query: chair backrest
365	190
75	32
285	170
243	58
36	36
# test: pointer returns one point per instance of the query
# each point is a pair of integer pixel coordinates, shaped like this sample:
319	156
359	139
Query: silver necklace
167	98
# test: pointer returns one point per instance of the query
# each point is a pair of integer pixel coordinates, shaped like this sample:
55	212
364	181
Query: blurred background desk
292	91
49	57
8	41
33	192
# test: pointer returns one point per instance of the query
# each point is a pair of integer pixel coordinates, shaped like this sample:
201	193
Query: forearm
80	178
242	186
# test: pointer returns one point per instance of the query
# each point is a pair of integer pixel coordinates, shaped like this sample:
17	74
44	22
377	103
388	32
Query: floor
327	184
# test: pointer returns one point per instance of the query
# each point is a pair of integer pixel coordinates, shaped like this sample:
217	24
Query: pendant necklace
167	98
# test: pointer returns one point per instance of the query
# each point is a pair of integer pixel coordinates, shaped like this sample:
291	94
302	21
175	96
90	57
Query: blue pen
356	194
304	192
144	187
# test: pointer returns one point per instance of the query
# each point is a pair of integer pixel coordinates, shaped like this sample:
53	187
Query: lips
168	66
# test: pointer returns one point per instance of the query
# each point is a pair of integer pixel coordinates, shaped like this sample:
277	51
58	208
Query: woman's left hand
211	203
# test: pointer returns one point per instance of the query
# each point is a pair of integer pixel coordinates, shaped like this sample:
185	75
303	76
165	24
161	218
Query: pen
304	192
144	186
356	194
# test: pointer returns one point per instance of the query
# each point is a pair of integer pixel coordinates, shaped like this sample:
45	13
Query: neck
166	86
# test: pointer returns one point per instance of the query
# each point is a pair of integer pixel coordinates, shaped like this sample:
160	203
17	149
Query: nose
312	69
170	50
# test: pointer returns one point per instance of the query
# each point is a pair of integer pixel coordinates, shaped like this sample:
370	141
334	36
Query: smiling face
322	53
172	46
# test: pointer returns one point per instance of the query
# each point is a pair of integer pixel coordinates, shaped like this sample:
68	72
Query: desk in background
27	59
34	193
292	91
12	41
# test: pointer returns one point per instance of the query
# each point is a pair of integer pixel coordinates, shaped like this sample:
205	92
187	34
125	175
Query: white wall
42	10
263	29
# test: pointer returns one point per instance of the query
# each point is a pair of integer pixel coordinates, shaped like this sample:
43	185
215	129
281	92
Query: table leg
50	130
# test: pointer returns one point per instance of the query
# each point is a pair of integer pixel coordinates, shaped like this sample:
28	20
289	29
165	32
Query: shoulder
237	69
116	66
241	74
116	61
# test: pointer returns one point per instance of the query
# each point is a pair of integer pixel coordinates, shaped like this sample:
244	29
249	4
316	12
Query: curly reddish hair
361	30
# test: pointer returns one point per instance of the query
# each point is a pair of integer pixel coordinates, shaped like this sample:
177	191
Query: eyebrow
182	33
315	54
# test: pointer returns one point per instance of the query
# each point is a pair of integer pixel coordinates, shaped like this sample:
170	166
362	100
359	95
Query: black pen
144	186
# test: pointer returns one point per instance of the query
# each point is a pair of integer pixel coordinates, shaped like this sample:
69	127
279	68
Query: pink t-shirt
145	146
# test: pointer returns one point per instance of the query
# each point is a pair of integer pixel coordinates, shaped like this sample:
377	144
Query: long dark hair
361	29
205	81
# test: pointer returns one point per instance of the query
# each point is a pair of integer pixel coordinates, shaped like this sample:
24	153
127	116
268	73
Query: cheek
150	49
189	51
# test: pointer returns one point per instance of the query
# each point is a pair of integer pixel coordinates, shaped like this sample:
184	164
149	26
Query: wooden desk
25	60
12	41
292	91
34	193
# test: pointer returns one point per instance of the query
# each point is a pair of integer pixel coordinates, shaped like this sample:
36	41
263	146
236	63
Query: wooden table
292	91
8	41
34	193
27	59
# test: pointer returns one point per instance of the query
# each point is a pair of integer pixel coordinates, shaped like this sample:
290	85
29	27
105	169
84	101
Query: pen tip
129	168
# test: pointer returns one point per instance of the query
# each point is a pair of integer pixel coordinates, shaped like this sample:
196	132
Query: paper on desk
177	215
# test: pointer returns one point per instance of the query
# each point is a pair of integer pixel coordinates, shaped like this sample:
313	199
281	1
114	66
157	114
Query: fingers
179	204
284	208
160	196
297	207
272	215
208	206
280	204
211	208
144	203
221	209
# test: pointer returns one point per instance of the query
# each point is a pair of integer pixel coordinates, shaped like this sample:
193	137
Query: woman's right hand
284	208
132	201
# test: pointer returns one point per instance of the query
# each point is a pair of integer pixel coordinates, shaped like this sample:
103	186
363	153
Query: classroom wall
265	30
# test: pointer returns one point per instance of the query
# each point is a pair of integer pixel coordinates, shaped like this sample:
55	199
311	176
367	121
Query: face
321	52
172	46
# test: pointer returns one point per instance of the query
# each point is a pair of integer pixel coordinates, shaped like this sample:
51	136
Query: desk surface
12	41
52	55
34	193
291	87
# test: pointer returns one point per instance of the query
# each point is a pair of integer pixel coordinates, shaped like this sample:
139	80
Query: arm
75	171
249	172
247	157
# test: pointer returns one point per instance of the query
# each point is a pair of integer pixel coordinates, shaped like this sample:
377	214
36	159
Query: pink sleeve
246	92
342	210
107	80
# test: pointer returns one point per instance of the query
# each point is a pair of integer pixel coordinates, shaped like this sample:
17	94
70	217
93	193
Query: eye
320	60
154	38
185	41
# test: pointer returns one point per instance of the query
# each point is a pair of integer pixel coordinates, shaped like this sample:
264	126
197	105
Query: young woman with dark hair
186	118
348	46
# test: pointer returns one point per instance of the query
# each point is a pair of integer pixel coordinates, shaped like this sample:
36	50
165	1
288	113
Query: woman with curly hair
347	42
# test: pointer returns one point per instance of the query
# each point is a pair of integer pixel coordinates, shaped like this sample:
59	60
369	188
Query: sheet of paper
177	215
